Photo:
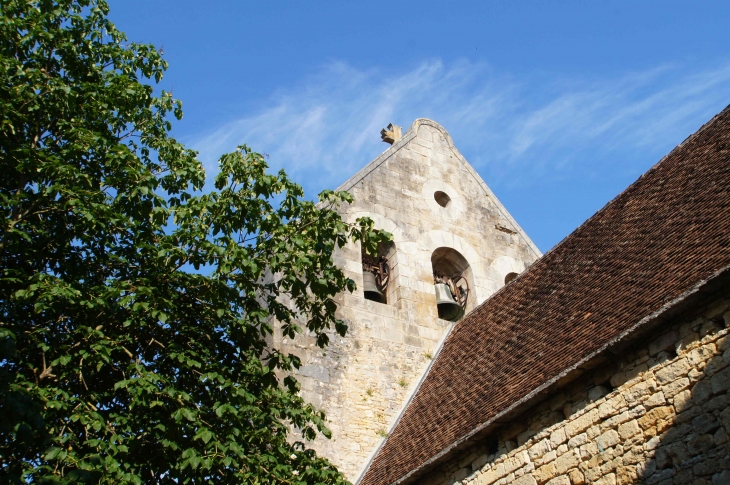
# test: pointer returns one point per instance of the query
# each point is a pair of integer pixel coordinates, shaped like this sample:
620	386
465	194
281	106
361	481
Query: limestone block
703	390
523	437
721	381
654	415
721	478
592	472
561	480
629	429
588	450
545	473
576	477
636	371
461	474
706	466
567	461
639	390
657	399
525	480
637	411
675	387
720	437
608	439
539	449
593	431
701	354
688	342
558	437
709	328
674	371
659	476
714	365
705	423
506	480
653	443
578	440
549	456
610	465
581	423
609	479
723	343
480	461
614	421
558	401
700	444
488	477
664	342
611	406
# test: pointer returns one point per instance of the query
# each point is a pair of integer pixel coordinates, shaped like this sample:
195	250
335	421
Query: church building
473	359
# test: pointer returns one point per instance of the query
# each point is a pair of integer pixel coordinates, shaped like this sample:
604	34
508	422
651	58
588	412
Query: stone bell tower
450	235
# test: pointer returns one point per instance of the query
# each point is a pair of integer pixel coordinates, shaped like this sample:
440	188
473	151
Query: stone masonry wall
363	380
657	415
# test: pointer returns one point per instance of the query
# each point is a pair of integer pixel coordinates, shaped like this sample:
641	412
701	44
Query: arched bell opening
453	283
376	273
510	277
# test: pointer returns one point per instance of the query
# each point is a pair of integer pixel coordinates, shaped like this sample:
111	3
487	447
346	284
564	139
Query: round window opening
442	198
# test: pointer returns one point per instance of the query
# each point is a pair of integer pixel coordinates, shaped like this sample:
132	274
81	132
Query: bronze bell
448	308
371	288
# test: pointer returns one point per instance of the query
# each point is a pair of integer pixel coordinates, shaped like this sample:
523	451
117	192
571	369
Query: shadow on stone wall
686	438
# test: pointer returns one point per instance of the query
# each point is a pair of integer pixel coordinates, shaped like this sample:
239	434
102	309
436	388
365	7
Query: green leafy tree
134	308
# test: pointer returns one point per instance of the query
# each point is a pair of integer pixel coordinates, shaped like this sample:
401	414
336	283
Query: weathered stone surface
567	461
663	342
582	423
609	479
675	387
639	390
525	480
578	440
629	429
558	437
561	480
480	462
666	424
611	406
363	380
539	449
576	477
722	478
545	473
608	439
721	381
657	399
626	475
650	419
677	369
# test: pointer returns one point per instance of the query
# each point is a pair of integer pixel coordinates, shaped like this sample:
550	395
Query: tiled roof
665	234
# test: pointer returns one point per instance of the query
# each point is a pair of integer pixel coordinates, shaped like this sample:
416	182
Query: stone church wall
363	380
658	414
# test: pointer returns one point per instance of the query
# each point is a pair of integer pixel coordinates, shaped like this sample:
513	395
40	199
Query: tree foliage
135	307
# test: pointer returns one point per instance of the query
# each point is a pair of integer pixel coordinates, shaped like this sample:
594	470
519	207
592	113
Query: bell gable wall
362	381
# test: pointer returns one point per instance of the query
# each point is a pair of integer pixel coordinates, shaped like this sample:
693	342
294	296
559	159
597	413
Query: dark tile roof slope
666	233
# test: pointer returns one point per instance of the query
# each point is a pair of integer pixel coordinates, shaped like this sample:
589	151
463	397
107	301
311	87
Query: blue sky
558	105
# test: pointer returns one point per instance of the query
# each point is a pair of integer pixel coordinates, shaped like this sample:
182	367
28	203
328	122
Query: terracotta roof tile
663	235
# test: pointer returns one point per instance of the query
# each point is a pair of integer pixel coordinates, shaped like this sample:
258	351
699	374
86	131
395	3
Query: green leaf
189	414
52	453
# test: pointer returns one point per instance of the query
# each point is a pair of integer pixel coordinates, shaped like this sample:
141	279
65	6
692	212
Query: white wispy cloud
509	128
